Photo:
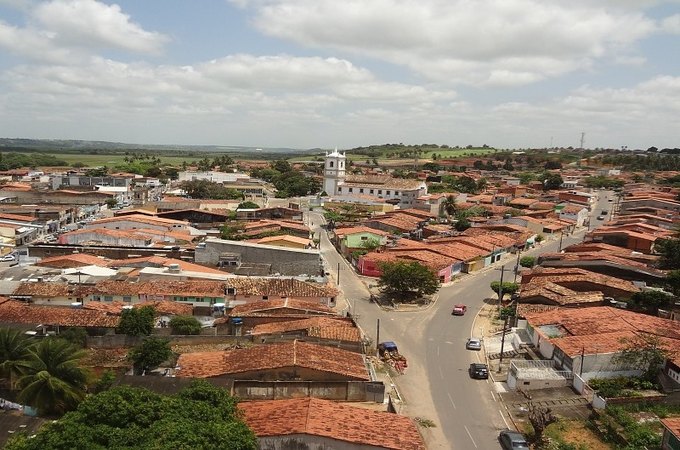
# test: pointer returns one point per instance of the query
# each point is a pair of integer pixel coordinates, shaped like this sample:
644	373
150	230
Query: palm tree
53	382
15	350
450	205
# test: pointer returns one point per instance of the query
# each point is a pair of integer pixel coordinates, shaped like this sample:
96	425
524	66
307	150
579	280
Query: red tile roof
673	425
273	356
267	306
322	327
71	261
20	313
341	422
160	261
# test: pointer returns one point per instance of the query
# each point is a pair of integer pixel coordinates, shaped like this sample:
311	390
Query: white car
8	258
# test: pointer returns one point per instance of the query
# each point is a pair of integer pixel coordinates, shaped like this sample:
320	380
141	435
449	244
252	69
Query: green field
114	160
446	153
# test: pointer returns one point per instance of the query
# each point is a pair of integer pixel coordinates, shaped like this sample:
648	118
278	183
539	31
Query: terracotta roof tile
273	356
20	313
344	423
71	261
287	303
322	327
42	289
673	425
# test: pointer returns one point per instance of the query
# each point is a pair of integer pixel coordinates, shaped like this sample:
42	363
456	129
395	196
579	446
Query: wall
113	252
291	373
308	442
287	262
122	340
348	391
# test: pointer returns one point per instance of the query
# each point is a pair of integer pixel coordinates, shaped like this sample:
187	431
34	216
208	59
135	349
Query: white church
337	183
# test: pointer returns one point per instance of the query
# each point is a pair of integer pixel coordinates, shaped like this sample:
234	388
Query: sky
329	73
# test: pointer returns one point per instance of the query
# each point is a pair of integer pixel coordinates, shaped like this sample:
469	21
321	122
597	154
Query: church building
336	182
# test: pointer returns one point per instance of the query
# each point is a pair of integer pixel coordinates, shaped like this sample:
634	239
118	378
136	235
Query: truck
389	353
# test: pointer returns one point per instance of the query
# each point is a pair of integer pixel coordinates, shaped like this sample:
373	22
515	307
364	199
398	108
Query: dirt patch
576	432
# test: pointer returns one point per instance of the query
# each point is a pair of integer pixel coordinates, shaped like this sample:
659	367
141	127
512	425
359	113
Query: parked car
459	310
479	371
473	344
511	440
605	212
8	258
600	217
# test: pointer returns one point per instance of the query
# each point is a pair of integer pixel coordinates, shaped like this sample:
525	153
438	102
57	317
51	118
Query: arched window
330	164
342	164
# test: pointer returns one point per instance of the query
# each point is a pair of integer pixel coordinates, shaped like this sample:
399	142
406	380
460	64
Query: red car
459	310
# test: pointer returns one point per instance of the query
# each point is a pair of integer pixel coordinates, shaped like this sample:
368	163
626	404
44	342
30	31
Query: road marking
437	350
448	342
493	396
451	400
441	374
503	417
468	432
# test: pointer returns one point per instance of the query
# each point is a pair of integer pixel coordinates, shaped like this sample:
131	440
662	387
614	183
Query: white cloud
89	23
671	24
483	42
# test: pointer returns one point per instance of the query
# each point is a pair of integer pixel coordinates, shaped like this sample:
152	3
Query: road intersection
468	413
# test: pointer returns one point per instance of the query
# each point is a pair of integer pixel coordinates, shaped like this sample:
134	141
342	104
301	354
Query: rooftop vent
174	268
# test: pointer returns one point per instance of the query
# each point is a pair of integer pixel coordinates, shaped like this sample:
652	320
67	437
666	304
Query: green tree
137	321
527	261
450	206
552	181
669	251
407	279
111	203
97	172
200	416
462	223
552	165
75	335
370	244
644	352
15	350
651	301
432	166
149	354
673	282
185	325
248	205
509	288
52	380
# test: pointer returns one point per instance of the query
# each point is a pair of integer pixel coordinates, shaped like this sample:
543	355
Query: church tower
334	171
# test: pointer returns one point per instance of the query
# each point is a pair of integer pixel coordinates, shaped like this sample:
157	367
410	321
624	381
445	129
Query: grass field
445	153
113	160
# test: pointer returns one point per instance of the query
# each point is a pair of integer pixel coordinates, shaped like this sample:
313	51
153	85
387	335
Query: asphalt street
436	385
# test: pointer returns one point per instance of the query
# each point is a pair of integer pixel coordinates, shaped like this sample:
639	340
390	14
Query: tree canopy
137	321
407	279
151	352
204	189
185	325
200	416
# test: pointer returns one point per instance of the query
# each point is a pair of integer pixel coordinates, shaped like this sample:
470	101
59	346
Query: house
323	328
284	240
579	280
576	213
638	237
434	203
54	318
580	198
106	237
671	433
586	341
355	238
317	423
284	361
262	312
72	261
39	292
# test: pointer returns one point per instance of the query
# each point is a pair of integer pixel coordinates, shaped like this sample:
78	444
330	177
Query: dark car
511	440
479	371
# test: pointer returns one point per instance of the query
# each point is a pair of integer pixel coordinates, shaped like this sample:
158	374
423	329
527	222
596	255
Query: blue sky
324	73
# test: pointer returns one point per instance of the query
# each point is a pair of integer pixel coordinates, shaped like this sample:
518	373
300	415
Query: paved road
436	386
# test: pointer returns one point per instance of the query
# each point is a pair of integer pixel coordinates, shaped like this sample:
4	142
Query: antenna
583	139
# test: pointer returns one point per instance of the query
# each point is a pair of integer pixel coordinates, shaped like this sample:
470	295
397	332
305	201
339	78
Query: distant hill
52	145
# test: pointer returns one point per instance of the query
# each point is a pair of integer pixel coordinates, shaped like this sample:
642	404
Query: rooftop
321	327
20	313
273	356
341	422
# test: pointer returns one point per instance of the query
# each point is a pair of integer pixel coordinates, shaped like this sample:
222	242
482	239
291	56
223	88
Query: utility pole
338	277
500	287
583	139
519	252
377	333
561	236
505	326
583	355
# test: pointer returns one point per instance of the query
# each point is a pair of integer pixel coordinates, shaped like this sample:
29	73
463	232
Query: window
396	192
339	189
379	191
342	164
364	238
350	190
231	291
371	191
265	297
127	298
388	192
330	164
108	298
361	190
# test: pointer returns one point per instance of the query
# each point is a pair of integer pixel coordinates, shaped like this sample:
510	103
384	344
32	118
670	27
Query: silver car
473	344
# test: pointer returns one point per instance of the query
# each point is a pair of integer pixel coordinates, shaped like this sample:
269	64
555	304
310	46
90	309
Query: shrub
527	261
76	336
185	325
